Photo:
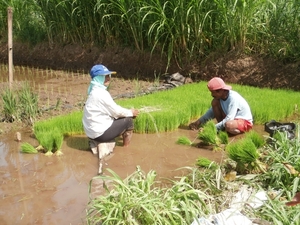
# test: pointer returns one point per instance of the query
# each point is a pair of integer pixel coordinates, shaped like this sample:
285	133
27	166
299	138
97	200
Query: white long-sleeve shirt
235	107
99	112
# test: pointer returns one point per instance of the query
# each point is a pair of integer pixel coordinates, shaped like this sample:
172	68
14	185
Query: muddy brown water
39	189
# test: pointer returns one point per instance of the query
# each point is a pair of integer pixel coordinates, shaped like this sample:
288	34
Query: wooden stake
10	46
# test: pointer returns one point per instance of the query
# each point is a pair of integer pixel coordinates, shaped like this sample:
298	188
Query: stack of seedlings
50	141
50	134
246	153
209	136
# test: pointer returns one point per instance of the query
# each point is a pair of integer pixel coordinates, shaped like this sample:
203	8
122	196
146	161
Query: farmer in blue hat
104	120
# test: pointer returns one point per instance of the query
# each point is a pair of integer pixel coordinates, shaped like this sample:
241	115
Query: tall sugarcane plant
180	30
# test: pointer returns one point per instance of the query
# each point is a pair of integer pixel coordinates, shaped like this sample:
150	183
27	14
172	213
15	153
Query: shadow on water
37	189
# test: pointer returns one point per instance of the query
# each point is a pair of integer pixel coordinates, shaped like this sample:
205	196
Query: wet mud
39	189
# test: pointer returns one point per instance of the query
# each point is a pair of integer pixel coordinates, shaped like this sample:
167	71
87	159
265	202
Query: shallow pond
39	189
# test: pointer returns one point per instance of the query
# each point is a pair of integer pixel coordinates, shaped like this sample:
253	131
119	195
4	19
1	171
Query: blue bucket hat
100	70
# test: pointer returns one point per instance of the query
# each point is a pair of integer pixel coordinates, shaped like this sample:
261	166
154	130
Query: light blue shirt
234	107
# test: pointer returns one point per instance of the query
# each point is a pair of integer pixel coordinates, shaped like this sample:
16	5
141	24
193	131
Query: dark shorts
118	127
244	125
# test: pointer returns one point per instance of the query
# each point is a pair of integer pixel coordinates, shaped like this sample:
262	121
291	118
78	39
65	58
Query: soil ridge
233	67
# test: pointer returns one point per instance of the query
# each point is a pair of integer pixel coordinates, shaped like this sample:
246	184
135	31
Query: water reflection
37	189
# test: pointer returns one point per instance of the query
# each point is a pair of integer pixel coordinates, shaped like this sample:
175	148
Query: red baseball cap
217	83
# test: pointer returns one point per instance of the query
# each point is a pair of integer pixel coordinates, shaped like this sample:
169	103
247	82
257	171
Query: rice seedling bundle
256	138
245	154
206	163
46	140
28	148
243	150
57	141
223	136
209	134
184	141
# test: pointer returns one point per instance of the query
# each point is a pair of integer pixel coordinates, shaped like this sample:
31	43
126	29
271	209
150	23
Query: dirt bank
233	67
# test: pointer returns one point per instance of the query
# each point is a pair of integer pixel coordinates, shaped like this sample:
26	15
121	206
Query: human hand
135	112
195	125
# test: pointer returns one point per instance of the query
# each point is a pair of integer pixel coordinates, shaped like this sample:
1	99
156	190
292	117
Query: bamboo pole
10	46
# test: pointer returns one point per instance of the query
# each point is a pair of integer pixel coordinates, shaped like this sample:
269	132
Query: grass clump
20	105
29	104
10	105
139	200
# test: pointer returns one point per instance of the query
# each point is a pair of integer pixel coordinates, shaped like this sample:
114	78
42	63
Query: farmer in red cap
228	107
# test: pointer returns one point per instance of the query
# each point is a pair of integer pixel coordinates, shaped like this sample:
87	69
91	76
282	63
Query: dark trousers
118	127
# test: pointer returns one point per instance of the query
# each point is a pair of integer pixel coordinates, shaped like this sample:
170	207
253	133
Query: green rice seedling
137	87
169	116
28	104
206	163
67	124
223	136
10	105
208	134
28	148
256	138
58	141
245	154
58	104
46	140
184	141
156	80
